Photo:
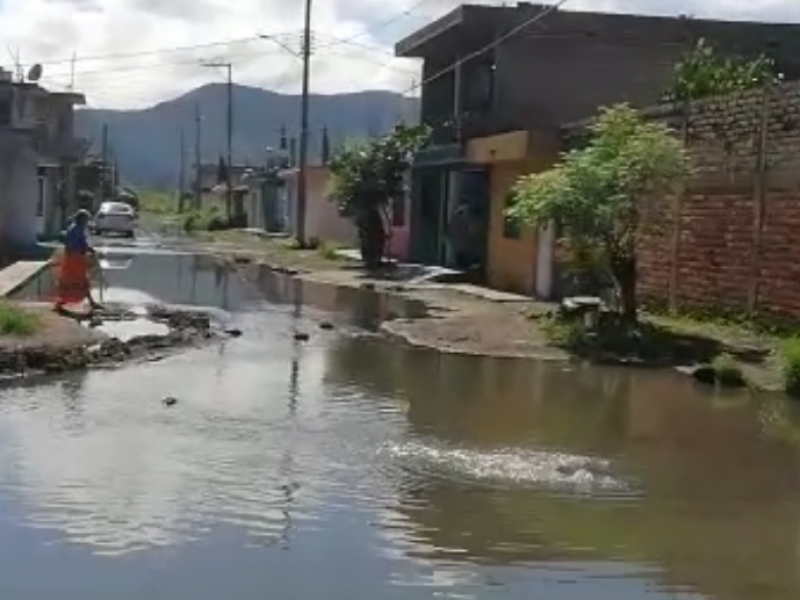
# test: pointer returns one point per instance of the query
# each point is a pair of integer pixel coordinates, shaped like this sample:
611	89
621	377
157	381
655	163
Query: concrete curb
15	276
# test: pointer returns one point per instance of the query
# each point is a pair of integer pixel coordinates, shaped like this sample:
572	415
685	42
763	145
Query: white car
115	217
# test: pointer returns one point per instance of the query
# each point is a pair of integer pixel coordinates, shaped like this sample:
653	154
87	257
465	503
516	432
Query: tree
367	177
702	72
598	194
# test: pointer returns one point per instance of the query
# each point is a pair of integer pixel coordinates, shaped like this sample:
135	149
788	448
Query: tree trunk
371	237
623	269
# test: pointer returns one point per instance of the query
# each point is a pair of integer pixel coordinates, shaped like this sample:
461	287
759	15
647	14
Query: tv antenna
14	54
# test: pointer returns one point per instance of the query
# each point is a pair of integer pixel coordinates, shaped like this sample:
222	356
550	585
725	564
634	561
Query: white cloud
49	31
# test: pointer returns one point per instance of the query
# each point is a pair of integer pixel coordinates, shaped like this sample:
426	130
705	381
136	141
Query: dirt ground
55	331
458	322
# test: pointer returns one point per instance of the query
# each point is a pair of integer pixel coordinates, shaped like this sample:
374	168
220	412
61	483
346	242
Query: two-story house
60	153
498	84
38	151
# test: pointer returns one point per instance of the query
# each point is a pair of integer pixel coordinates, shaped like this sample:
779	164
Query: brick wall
732	240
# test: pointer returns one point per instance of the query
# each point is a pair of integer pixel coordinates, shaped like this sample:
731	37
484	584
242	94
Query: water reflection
364	308
718	509
382	471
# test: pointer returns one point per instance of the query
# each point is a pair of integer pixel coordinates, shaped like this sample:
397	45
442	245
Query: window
479	84
511	227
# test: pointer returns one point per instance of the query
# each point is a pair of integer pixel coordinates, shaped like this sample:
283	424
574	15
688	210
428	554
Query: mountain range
146	143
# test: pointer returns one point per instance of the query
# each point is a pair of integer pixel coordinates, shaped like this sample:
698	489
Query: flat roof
495	20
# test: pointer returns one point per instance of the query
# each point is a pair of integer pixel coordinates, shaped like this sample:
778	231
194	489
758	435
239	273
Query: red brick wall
732	240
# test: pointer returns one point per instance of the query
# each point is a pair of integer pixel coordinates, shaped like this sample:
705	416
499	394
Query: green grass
790	358
16	321
156	202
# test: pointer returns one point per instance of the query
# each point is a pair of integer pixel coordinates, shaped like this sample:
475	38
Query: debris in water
301	336
326	325
234	332
170	401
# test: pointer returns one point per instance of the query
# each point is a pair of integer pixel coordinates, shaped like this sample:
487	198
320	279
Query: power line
169	50
381	24
490	46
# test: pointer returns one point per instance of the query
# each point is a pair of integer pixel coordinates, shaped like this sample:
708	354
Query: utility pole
197	139
105	171
182	171
72	62
228	66
303	150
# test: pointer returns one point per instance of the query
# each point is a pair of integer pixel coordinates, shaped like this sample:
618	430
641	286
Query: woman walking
74	266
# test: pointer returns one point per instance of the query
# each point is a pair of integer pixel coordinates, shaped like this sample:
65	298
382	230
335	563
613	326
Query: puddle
128	329
364	308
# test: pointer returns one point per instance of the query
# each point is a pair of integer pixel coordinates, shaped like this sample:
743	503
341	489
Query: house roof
445	30
469	21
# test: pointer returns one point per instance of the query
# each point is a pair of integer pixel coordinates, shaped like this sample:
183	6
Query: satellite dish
35	72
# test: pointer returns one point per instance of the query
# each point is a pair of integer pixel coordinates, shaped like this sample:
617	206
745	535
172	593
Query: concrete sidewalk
18	274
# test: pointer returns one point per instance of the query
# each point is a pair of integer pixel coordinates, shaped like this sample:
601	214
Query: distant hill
147	142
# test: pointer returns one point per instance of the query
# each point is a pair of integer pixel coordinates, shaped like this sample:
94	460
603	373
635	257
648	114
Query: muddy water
348	468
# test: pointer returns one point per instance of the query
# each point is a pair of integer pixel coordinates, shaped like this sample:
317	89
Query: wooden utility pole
105	169
229	145
300	231
198	190
182	170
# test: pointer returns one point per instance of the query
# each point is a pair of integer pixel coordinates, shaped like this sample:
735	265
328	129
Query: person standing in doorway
462	232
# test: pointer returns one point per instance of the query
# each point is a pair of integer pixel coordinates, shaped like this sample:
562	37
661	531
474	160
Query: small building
38	156
323	220
559	69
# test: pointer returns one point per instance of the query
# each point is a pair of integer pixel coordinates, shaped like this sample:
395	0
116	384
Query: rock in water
326	325
170	401
301	336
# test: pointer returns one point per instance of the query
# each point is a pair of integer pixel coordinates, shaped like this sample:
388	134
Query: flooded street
349	468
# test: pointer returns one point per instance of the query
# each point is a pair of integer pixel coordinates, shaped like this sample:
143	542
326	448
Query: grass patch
727	371
643	341
16	321
790	363
155	202
206	219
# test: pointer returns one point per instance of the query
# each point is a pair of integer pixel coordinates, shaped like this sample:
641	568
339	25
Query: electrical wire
490	46
370	30
168	50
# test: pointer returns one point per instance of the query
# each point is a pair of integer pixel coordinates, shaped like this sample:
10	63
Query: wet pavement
346	467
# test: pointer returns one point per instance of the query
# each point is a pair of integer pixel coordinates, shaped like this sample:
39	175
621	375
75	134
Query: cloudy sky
132	53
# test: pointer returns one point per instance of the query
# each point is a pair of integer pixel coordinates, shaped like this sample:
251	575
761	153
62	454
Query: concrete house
496	114
37	153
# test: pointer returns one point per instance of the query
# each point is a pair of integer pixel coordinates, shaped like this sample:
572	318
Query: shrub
726	371
790	357
207	219
16	321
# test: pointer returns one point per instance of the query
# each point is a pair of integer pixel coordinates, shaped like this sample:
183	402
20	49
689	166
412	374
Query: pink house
324	222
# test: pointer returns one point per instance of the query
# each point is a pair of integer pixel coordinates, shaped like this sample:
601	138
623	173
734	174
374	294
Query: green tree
599	194
702	72
367	177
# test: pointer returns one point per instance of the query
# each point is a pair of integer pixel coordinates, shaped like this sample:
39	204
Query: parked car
115	217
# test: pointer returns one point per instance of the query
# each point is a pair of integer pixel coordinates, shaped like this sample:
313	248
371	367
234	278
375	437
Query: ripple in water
551	470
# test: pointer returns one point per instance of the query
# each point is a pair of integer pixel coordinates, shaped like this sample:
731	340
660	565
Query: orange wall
511	262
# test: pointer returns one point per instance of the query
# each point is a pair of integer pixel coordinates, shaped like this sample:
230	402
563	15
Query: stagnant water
349	468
